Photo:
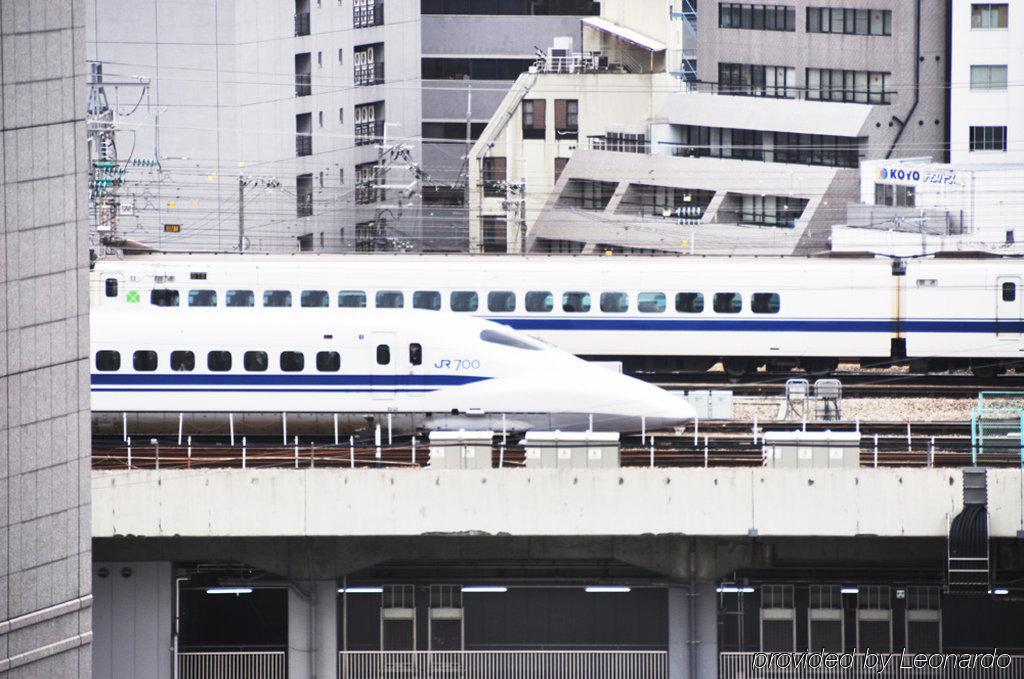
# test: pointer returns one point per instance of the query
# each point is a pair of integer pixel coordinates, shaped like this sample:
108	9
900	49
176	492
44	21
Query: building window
771	210
989	15
894	196
460	68
304	134
366	184
862	87
988	77
518	8
303	77
304	195
756	17
495	234
366	13
533	118
567	118
587	194
494	176
988	138
849	21
368	64
757	80
369	123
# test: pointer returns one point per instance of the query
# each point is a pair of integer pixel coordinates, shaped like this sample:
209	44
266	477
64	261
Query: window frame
735	303
322	296
271	294
220	354
173	295
115	360
296	364
397	295
658	296
256	355
613	298
194	295
759	305
432	296
585	298
355	294
231	295
189	363
508	295
473	295
147	367
549	301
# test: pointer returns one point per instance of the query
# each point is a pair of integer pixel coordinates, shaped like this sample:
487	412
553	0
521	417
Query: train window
144	360
108	361
110	287
539	301
614	302
689	302
292	361
426	299
501	302
255	361
765	303
162	297
509	340
277	298
202	298
314	298
415	354
651	302
383	354
352	299
390	299
328	361
1009	292
464	300
576	302
218	361
727	303
240	298
183	361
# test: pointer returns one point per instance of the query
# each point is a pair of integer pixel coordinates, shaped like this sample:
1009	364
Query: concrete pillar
300	635
701	641
313	632
326	629
133	618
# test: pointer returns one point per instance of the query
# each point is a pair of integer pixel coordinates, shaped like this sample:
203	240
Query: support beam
300	636
326	629
692	648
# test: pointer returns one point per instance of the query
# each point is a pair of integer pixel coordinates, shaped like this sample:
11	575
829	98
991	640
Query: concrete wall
715	502
133	619
44	377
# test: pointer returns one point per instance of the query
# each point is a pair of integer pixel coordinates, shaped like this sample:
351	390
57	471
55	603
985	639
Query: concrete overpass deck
693	502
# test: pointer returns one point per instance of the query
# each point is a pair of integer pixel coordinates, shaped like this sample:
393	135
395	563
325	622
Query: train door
383	373
1009	308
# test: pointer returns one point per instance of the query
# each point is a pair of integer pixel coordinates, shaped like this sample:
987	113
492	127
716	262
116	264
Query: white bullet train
270	369
649	312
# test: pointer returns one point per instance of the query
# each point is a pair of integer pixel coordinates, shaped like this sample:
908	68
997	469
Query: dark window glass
202	298
390	299
765	303
108	361
501	301
110	287
292	361
328	361
383	354
277	298
426	299
218	361
240	298
255	361
163	297
689	302
314	298
576	302
415	354
183	361
651	302
538	301
1009	292
727	303
144	360
614	302
464	300
352	299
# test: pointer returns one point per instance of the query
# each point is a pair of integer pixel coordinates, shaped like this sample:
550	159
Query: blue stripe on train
293	380
764	325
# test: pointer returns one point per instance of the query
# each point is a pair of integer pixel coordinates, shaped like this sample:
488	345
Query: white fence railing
232	665
503	665
870	665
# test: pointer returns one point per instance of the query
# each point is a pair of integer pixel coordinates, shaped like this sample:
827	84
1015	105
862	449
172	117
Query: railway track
860	384
713	444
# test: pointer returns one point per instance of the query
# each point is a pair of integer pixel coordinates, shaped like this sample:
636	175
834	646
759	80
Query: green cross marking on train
132	297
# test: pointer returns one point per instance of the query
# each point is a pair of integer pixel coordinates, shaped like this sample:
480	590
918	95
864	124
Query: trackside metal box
571	450
812	449
460	449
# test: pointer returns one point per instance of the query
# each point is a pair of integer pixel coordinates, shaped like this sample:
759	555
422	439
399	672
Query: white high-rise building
987	97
